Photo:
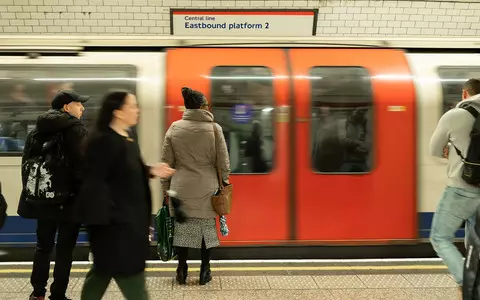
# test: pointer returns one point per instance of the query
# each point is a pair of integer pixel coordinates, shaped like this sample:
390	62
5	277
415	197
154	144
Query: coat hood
54	121
473	101
200	115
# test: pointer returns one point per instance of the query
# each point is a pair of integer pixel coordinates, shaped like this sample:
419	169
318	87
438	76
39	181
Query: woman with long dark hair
115	203
190	147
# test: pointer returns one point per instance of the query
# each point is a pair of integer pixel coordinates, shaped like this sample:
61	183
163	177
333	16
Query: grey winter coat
190	149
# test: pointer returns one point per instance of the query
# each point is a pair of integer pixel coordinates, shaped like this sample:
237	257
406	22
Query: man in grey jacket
460	200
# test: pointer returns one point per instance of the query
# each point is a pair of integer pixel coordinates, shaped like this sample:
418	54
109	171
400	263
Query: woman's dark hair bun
186	92
192	99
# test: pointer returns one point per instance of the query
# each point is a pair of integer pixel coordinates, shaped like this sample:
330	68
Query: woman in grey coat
190	147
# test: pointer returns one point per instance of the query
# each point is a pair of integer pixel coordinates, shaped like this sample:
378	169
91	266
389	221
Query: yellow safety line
279	268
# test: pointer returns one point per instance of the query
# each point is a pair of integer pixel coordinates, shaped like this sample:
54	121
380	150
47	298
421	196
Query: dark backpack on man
471	162
471	267
46	174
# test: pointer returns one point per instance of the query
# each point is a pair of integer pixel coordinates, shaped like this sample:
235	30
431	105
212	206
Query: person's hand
161	170
446	151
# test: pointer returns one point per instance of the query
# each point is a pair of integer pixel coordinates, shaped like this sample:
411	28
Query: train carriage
278	102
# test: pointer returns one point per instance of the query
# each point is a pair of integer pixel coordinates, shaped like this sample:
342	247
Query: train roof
79	43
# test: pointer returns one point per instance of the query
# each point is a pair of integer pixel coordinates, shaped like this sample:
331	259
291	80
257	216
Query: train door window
452	80
26	92
243	104
341	120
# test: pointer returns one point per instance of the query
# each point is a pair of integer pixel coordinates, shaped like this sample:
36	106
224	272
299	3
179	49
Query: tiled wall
151	17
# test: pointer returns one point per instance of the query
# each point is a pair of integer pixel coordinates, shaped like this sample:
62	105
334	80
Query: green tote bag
165	228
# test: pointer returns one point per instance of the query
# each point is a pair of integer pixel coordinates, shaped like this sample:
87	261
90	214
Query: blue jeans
456	206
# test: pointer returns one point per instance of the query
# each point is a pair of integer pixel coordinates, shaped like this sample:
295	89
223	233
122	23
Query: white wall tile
119	23
54	29
46	22
98	29
400	31
41	29
83	29
119	9
336	17
433	4
469	32
74	8
60	22
104	9
17	22
416	17
31	22
22	15
156	30
127	29
75	22
408	24
105	22
125	16
155	16
67	15
112	29
374	17
414	31
28	8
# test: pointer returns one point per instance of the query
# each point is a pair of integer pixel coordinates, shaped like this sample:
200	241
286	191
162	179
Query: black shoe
182	274
59	298
205	274
32	297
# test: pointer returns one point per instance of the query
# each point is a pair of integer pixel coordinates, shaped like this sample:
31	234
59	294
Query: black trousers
182	254
66	241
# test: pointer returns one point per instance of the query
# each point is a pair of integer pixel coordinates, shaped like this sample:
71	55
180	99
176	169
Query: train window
341	120
27	90
243	104
452	80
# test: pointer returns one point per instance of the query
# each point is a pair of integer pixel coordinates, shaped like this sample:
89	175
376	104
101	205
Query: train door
355	153
246	88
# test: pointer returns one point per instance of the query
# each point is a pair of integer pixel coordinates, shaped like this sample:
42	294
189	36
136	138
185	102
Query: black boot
182	273
205	274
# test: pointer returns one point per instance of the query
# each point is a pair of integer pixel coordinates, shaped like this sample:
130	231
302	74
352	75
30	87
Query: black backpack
47	176
471	162
3	208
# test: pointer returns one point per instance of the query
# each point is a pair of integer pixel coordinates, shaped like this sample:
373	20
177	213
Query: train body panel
91	74
286	194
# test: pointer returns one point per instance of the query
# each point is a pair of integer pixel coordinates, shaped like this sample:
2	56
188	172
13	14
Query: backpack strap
475	114
472	111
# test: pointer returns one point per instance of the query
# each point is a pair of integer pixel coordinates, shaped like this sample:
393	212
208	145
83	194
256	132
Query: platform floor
271	281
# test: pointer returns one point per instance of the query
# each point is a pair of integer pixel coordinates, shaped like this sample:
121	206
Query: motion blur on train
328	145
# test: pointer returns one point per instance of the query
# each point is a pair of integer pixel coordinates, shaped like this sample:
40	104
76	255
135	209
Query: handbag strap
219	171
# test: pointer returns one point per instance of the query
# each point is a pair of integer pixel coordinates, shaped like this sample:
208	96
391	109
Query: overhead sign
242	113
194	22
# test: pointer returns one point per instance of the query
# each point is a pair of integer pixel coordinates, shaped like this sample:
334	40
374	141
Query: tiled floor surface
387	286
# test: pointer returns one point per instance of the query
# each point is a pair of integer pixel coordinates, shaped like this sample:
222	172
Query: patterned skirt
190	233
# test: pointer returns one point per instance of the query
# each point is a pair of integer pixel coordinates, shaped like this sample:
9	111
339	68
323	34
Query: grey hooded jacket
454	128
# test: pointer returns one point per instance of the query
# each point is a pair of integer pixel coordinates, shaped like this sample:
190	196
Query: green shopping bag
165	228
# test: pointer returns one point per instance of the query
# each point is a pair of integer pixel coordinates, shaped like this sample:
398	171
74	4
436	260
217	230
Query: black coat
75	133
115	204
